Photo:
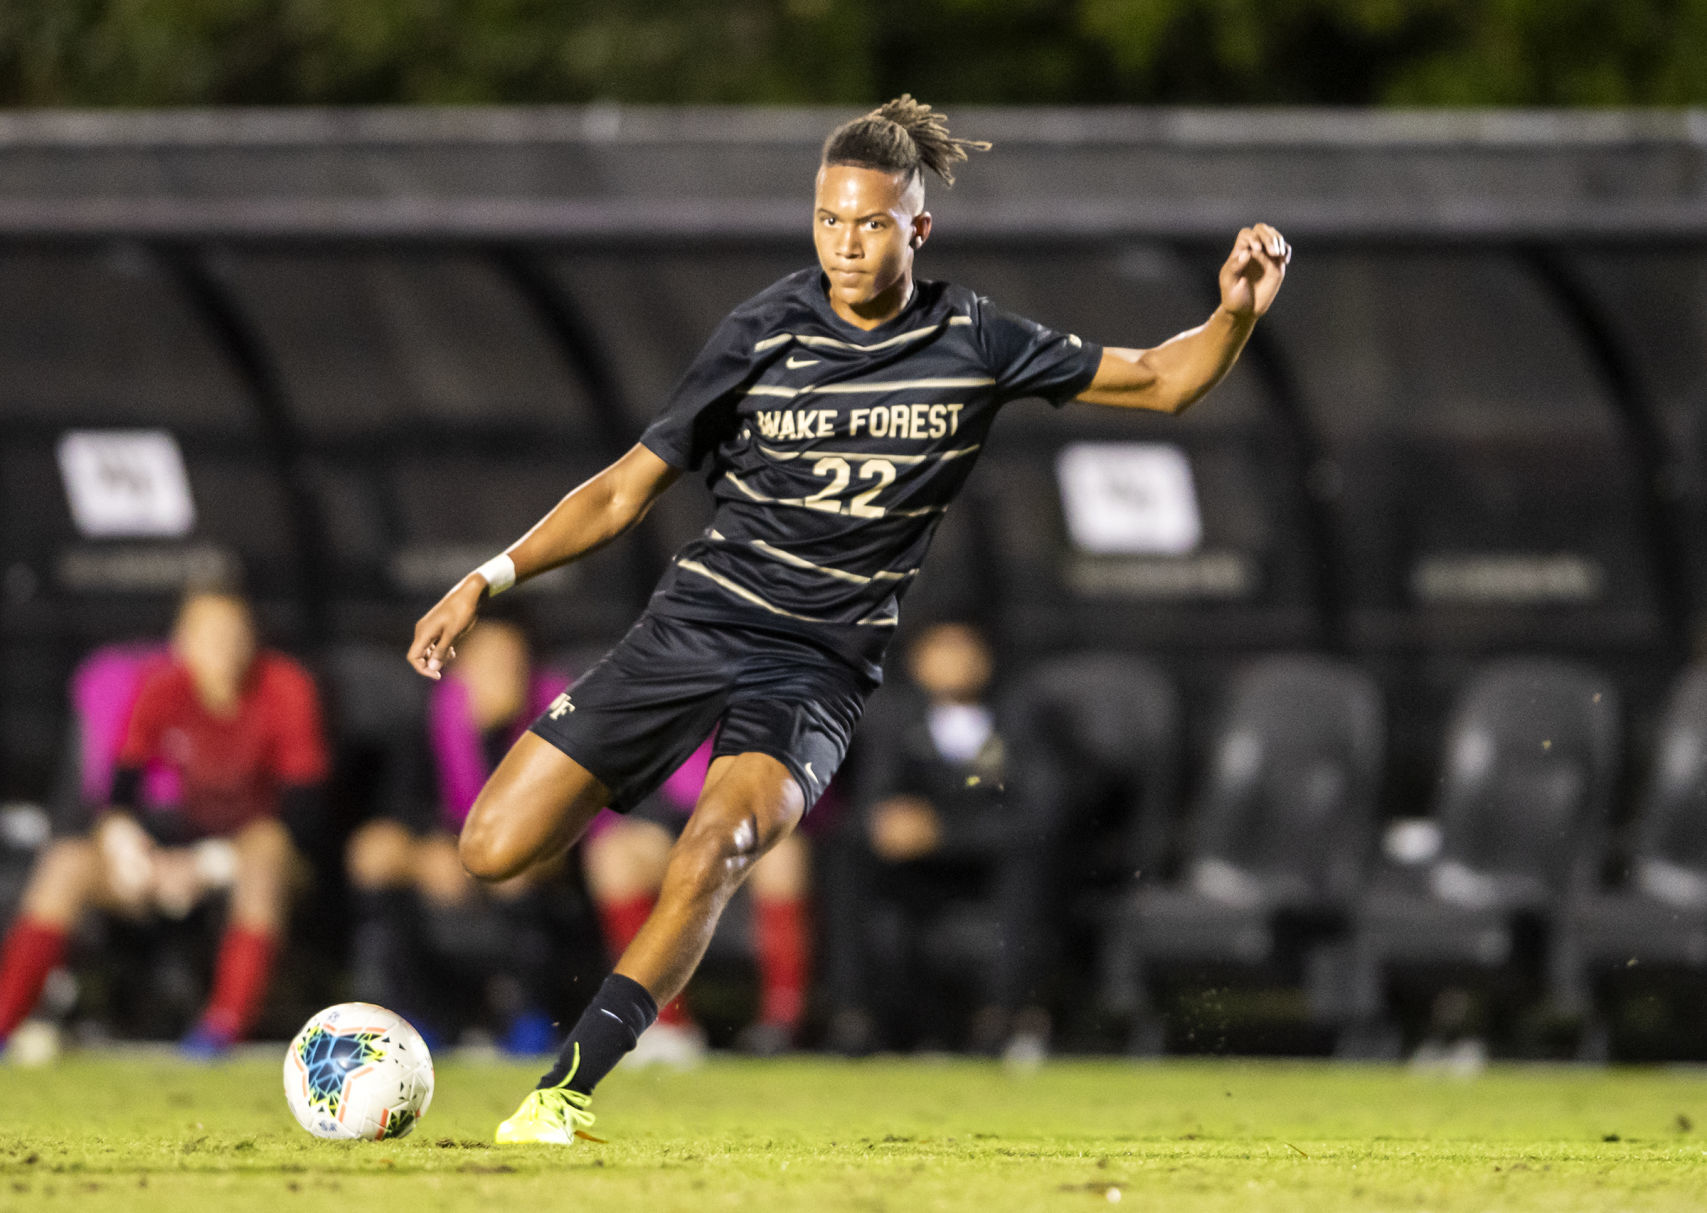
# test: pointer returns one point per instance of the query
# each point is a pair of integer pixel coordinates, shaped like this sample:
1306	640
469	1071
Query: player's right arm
588	518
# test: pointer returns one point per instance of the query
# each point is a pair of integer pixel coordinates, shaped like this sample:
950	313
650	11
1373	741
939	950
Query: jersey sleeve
1027	359
700	413
299	742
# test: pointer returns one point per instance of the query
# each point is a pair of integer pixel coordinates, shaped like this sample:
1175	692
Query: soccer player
835	416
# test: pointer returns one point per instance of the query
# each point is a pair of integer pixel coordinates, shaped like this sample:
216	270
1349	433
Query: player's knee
719	848
485	858
69	863
263	848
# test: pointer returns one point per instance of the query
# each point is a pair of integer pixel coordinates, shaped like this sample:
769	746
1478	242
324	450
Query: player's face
867	225
492	662
951	662
215	640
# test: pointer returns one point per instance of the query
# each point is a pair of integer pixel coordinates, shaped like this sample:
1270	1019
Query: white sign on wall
1129	498
126	484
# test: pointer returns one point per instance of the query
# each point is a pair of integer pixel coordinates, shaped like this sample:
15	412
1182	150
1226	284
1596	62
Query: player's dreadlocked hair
900	136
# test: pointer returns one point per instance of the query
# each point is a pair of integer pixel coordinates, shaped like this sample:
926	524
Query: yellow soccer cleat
554	1116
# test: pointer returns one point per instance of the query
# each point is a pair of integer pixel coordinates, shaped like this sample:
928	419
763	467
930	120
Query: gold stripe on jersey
742	592
801	562
844	389
814	341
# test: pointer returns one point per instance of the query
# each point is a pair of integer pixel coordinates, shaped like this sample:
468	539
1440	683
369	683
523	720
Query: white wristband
500	574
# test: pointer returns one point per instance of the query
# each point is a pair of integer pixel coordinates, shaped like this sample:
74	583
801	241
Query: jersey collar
820	295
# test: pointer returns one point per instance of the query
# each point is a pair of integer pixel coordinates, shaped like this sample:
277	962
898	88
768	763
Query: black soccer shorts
647	705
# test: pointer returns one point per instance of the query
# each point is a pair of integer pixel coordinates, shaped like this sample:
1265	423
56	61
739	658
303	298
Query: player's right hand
1254	270
439	629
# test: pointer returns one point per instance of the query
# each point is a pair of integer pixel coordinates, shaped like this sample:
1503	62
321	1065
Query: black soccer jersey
833	451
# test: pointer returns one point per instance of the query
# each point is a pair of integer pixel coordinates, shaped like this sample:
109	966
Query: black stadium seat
1093	745
1533	757
1485	494
1279	846
1654	927
1095	739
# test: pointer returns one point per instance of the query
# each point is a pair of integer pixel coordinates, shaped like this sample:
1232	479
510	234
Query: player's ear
921	228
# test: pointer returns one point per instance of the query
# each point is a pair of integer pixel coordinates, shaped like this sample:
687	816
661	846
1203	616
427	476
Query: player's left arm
1178	373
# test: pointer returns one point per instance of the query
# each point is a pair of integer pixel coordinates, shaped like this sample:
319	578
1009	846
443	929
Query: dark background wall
387	340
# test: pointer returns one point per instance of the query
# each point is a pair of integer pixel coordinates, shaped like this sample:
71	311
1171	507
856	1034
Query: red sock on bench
239	981
782	942
622	919
33	949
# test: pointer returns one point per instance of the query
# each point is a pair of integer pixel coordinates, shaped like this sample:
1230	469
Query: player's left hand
1253	272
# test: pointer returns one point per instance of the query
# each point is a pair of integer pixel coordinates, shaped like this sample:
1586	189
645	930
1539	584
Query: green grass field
121	1132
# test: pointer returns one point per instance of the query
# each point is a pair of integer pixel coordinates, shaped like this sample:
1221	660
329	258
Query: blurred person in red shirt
240	728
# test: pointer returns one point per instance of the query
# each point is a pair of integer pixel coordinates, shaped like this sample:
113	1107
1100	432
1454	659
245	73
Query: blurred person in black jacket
941	873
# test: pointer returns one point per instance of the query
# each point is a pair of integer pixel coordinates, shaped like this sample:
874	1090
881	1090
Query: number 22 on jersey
828	498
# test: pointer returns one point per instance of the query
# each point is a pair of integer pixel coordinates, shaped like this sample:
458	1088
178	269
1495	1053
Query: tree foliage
1334	52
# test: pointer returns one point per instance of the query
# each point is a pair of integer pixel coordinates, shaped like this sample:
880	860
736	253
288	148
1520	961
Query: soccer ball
358	1072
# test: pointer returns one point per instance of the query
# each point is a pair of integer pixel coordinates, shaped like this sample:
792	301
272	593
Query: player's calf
750	804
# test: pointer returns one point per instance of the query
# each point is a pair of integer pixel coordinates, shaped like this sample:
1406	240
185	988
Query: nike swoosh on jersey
796	363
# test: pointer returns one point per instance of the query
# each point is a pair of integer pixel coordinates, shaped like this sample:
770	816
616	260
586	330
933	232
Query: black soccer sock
607	1029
